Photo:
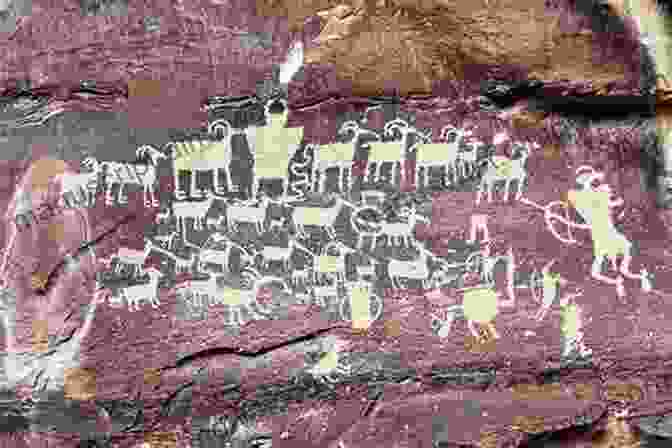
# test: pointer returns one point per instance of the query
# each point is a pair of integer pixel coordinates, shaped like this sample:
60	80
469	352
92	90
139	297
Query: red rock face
398	305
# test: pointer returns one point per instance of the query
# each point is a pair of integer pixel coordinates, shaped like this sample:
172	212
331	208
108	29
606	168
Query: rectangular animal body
309	216
189	154
336	152
432	153
385	151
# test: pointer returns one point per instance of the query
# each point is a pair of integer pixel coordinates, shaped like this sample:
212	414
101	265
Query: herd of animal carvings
328	273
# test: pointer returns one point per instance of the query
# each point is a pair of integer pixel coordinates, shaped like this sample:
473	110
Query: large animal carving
338	155
122	174
210	155
504	169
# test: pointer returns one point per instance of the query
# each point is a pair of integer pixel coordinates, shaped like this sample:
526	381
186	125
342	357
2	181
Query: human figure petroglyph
273	145
551	286
572	326
360	297
595	205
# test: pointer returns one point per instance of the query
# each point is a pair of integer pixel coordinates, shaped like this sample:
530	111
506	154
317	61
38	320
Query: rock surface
297	372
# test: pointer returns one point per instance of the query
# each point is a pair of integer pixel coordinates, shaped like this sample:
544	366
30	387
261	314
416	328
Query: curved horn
220	124
445	130
396	123
350	125
583	168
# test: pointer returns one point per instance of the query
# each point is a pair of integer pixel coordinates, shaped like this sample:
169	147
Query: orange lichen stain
56	231
392	328
152	377
143	88
161	439
38	281
552	391
488	439
584	391
484	343
42	171
80	384
528	119
529	424
40	336
626	392
552	152
617	434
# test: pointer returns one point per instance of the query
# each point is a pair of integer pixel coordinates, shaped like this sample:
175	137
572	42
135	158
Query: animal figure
330	265
572	327
78	188
213	222
204	155
325	218
198	289
273	145
504	169
278	254
181	264
401	232
468	160
367	272
149	291
302	277
375	196
167	240
393	152
416	269
236	214
193	210
130	174
136	258
322	293
430	155
185	264
338	155
488	265
223	257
